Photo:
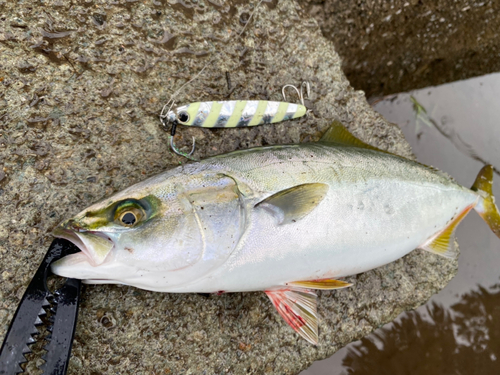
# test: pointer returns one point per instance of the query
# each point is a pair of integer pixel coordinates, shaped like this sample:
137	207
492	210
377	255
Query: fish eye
129	215
128	219
132	212
183	116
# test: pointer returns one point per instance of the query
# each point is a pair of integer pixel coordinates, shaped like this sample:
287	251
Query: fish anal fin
337	133
443	243
325	284
296	202
298	309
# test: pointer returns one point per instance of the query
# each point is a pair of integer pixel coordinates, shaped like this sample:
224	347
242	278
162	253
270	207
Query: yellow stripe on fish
235	113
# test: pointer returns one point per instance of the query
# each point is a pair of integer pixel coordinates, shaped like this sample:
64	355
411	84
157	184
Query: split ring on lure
231	114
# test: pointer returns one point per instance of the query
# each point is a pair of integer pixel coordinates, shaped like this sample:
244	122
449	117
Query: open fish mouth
95	247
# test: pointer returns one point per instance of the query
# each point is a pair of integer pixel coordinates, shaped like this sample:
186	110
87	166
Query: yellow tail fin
486	207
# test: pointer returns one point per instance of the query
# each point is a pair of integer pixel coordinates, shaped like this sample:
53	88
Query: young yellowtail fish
280	219
232	113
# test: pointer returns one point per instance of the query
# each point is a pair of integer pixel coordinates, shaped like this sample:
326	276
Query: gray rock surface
82	84
400	45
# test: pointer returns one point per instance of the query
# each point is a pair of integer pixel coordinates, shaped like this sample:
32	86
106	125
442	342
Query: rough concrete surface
400	45
82	84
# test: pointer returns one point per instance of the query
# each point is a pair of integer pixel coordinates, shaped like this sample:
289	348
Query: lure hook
308	90
179	152
164	121
299	93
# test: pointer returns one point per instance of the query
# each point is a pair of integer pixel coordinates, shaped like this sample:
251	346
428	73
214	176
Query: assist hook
164	121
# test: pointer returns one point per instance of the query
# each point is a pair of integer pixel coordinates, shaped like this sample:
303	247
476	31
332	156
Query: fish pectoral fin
295	203
325	284
443	243
298	309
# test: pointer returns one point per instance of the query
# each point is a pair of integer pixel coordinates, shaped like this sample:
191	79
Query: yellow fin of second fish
293	204
443	243
325	284
337	133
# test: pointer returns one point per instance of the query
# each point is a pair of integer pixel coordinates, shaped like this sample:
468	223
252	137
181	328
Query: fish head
154	235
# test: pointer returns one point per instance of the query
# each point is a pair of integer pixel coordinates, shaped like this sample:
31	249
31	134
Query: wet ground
400	45
453	127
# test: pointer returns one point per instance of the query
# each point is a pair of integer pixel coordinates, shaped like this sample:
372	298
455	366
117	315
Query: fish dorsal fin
298	309
325	284
293	204
443	243
337	133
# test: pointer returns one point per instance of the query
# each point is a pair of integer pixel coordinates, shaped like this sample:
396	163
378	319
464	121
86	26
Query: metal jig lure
231	114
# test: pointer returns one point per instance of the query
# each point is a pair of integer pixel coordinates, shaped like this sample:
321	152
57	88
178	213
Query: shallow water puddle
452	127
